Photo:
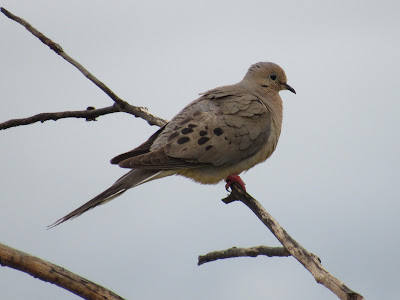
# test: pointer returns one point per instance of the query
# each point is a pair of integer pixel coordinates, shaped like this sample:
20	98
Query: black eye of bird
272	76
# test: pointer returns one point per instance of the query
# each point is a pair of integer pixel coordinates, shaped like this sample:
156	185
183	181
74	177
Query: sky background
333	182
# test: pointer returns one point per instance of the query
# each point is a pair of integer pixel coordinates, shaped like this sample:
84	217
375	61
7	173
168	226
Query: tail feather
129	180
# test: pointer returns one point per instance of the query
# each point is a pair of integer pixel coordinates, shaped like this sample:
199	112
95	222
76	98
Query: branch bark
46	271
243	252
311	262
90	114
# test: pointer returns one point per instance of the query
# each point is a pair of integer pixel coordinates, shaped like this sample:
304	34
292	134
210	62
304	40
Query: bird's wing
142	149
220	128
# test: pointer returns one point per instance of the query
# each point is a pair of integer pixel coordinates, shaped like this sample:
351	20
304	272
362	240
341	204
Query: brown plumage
226	131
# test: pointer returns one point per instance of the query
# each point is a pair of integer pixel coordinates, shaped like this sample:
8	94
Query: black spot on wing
183	140
203	140
203	133
192	126
218	131
208	147
186	130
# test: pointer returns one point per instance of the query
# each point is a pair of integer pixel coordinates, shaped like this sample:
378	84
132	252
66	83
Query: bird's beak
288	87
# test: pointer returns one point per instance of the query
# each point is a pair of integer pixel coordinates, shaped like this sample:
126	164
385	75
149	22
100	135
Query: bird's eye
272	76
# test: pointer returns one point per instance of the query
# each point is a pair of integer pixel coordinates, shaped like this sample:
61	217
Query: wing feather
219	128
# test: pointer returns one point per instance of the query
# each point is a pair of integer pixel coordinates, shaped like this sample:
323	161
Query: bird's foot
234	178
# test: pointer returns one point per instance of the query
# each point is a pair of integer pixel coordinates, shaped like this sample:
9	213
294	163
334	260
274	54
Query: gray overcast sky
333	182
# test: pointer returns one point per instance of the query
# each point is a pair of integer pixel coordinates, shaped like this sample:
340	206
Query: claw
234	178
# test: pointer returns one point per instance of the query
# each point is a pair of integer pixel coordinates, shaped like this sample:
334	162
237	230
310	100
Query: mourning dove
226	131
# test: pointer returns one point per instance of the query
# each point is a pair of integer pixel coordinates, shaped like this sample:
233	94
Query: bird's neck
270	98
275	105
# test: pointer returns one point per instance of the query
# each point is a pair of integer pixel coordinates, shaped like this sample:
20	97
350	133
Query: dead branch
243	252
311	262
90	114
140	112
46	271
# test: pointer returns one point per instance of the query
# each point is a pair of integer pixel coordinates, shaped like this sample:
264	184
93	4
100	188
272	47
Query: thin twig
308	260
90	114
243	252
49	272
140	112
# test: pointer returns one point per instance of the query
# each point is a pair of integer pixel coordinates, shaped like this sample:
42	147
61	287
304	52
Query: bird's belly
213	175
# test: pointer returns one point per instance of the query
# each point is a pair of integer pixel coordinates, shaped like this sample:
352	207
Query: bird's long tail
129	180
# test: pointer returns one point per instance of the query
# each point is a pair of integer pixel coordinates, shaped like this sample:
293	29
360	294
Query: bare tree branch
90	114
49	272
140	112
311	262
243	252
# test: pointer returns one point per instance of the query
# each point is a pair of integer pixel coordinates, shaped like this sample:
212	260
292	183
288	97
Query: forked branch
140	112
311	262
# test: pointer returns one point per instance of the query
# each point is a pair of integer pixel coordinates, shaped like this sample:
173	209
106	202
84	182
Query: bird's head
268	76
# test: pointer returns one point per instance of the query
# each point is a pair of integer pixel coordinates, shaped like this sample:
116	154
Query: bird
225	132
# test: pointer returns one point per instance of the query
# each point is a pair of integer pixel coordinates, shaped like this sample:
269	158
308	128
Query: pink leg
234	178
